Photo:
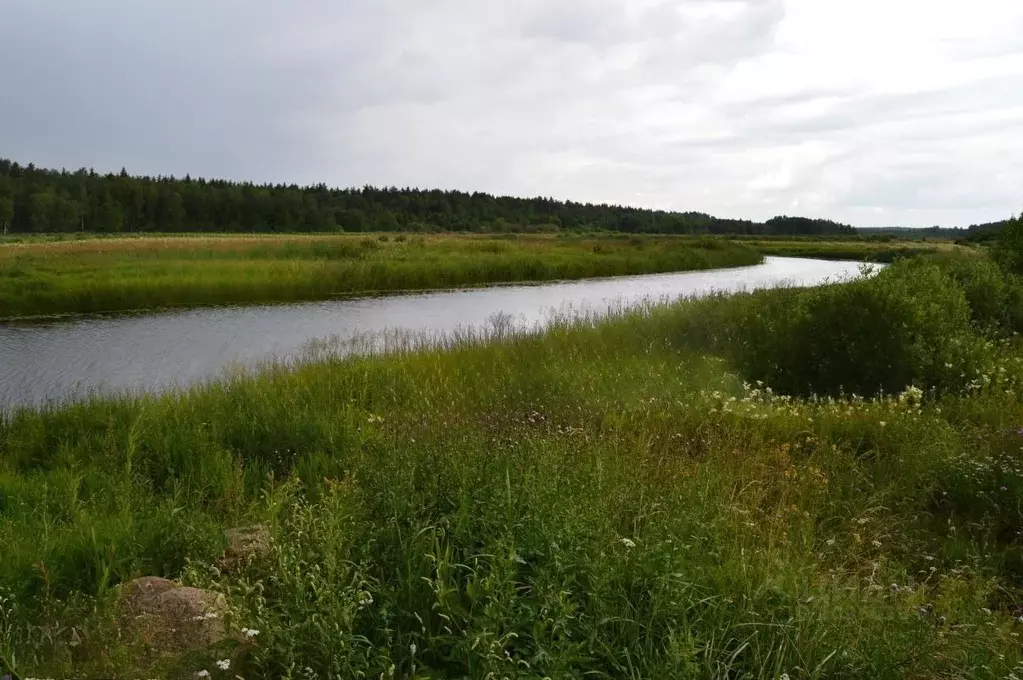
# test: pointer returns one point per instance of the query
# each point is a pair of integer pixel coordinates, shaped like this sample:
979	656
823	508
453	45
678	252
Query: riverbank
615	498
859	249
47	277
156	350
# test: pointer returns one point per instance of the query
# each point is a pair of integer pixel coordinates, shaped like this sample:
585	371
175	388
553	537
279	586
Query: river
66	358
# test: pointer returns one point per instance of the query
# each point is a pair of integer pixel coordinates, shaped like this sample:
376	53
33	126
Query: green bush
908	325
995	298
1009	247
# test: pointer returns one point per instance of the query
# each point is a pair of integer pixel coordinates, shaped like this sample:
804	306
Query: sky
870	112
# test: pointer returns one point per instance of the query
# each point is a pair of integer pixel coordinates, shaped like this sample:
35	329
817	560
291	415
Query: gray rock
245	544
165	616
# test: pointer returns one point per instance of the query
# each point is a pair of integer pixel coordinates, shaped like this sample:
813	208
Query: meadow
48	276
818	483
862	249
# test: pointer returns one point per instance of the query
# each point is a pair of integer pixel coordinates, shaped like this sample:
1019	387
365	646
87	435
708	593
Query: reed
105	275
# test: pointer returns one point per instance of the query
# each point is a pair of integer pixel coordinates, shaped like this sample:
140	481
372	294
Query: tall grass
830	248
608	499
102	275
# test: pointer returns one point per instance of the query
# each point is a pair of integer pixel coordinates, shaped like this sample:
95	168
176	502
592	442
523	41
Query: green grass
860	249
608	499
44	277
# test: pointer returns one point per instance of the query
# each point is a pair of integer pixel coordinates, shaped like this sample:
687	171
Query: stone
139	595
245	544
168	617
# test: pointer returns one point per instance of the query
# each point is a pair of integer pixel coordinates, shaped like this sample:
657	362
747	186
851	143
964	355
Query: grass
859	249
58	276
614	498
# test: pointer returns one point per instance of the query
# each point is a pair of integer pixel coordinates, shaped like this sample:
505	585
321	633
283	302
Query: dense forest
39	200
988	231
974	233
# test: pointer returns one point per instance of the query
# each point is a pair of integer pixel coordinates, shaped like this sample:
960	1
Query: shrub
995	298
908	325
1009	248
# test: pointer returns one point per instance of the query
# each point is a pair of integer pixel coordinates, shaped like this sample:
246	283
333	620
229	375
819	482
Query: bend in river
62	359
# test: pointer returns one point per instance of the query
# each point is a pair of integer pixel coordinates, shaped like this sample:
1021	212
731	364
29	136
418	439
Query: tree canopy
41	200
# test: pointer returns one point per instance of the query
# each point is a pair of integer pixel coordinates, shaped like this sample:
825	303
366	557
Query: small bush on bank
995	297
908	325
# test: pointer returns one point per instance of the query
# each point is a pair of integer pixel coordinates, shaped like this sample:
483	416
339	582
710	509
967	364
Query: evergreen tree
6	212
49	200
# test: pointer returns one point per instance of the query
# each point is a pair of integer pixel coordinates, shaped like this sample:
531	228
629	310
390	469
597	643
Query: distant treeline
39	200
975	232
986	232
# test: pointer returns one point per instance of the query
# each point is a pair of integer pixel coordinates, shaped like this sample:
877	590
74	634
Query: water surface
65	358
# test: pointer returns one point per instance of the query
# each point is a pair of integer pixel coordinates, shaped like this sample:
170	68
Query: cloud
865	111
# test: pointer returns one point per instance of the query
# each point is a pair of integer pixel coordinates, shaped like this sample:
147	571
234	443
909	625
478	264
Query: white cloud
869	111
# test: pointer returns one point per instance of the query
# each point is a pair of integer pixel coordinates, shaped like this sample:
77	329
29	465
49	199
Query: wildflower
830	541
250	632
203	674
882	423
412	648
628	543
224	664
877	544
365	599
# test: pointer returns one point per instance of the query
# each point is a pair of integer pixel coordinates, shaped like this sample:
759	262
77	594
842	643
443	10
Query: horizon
330	187
733	108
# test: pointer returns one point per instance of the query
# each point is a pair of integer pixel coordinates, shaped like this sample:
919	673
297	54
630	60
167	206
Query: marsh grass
615	498
856	249
103	275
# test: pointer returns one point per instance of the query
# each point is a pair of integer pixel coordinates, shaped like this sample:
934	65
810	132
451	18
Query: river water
61	359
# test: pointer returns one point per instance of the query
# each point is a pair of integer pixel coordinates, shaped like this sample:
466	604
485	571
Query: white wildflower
412	648
202	674
250	632
224	664
628	543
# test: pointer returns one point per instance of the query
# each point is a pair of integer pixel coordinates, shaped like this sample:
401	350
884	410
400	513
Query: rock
168	617
244	544
138	596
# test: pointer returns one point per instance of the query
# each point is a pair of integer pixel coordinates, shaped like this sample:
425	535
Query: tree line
36	200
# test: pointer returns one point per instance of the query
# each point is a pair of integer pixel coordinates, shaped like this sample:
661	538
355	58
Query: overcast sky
873	112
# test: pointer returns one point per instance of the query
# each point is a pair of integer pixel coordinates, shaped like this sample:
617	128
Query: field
686	491
867	250
58	276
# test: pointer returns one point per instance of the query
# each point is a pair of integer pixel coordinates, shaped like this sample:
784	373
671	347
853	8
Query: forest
36	200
